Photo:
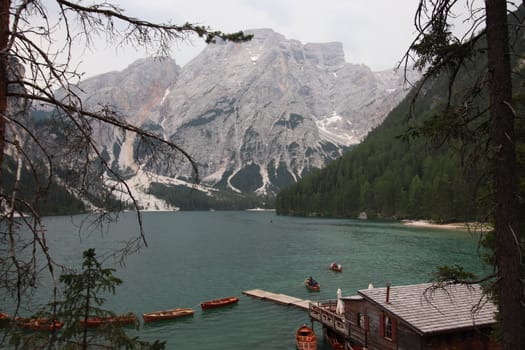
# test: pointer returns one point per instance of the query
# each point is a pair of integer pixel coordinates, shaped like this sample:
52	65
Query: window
362	321
388	328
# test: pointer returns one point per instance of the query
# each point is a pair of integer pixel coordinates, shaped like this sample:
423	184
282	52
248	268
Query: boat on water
212	304
4	319
305	338
167	314
94	322
39	324
336	267
312	284
334	341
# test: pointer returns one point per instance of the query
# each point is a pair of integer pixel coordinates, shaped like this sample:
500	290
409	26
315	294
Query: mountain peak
322	54
256	116
264	33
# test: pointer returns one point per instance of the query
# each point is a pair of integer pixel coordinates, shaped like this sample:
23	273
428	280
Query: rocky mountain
255	116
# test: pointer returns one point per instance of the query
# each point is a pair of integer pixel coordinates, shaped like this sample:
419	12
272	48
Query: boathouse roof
430	311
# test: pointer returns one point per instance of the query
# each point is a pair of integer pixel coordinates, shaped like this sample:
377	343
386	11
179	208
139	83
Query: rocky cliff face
255	116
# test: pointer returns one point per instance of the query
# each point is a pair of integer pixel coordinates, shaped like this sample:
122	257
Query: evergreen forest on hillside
396	172
186	198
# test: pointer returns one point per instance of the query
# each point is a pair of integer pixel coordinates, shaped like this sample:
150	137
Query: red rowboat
336	267
312	284
334	341
306	338
39	324
93	322
167	314
4	319
211	304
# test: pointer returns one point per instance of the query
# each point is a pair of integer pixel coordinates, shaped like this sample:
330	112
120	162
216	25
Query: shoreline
467	226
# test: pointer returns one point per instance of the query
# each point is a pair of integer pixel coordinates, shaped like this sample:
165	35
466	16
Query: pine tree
83	298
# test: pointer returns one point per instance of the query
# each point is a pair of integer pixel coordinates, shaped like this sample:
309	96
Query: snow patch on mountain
166	93
139	187
335	129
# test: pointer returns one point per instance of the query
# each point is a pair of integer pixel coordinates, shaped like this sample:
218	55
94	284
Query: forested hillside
397	173
387	177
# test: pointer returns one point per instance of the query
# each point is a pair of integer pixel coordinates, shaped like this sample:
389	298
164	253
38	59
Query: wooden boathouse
410	317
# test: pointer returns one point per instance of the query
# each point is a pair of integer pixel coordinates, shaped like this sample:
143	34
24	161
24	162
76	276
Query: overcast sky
375	33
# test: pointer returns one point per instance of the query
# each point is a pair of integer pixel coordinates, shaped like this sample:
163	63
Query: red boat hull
212	304
336	267
313	287
39	324
334	342
305	338
94	322
167	314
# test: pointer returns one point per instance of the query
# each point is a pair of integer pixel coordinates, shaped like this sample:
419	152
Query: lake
197	256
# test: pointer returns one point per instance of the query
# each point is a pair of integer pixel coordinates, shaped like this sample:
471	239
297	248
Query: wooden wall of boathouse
364	325
367	328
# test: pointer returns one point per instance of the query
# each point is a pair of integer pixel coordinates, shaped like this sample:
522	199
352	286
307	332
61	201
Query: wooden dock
278	298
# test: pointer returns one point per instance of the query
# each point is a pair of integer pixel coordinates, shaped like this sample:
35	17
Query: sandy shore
473	226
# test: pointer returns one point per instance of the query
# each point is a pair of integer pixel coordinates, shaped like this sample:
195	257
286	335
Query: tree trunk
508	234
4	39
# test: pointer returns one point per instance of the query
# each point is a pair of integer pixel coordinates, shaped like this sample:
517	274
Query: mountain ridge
255	116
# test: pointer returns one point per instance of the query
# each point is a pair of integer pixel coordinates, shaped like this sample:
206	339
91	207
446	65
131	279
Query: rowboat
4	319
312	284
334	341
167	314
306	338
336	267
94	322
211	304
39	324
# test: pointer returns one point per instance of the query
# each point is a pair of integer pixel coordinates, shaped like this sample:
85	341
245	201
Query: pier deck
278	298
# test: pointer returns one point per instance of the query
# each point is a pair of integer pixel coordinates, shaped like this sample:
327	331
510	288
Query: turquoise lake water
197	256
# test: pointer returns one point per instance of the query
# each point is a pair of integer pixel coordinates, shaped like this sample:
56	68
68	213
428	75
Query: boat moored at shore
167	314
121	320
39	324
212	304
305	338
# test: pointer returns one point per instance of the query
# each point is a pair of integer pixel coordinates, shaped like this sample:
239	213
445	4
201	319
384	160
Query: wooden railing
324	312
